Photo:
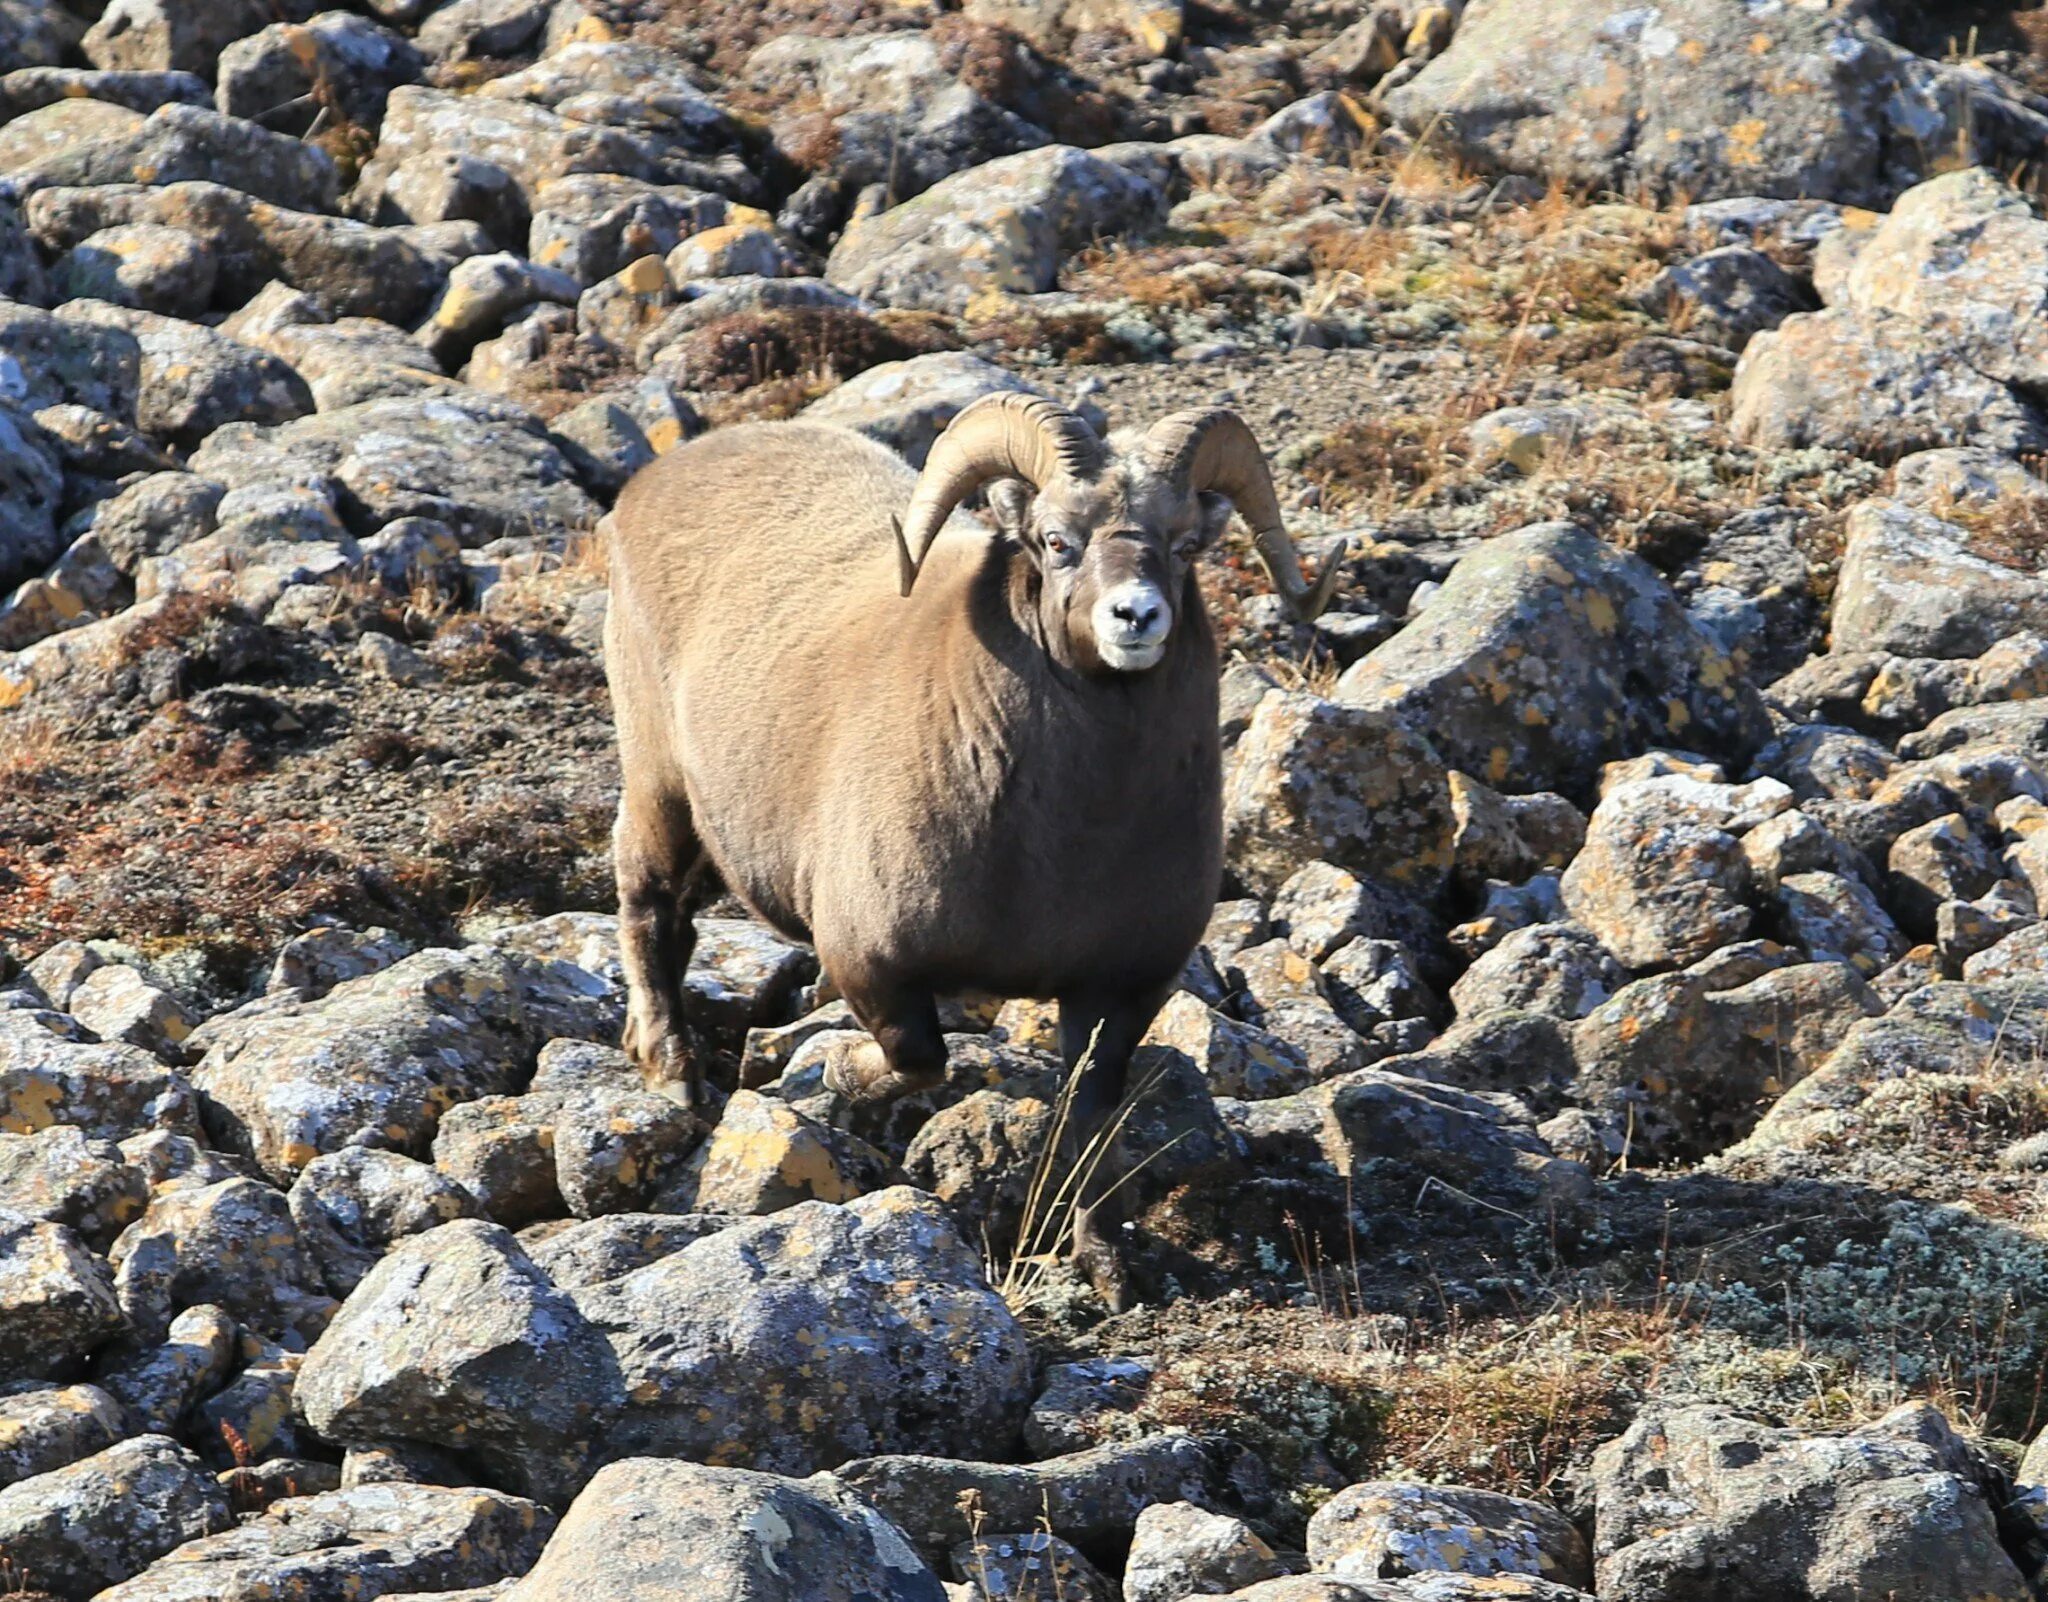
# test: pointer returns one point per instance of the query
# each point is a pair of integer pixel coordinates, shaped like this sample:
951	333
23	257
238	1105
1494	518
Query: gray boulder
376	1059
1180	1550
481	466
176	143
48	1075
48	1428
650	1528
80	1529
456	1336
1725	296
368	1540
1704	99
351	1206
194	380
1684	1060
31	491
1663	878
178	35
58	1302
231	1245
1001	226
1873	384
1918	585
1090	1498
46	361
1548	653
1881	1511
61	1176
1384	1529
352	268
925	1357
284	74
906	405
1963	257
1353	785
894	112
147	266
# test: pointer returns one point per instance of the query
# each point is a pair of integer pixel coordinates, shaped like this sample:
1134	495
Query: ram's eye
1058	545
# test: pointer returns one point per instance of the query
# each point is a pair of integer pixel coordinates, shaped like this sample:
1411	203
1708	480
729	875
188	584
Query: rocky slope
1599	1147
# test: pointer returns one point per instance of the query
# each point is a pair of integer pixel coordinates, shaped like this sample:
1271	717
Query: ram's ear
1009	503
1212	517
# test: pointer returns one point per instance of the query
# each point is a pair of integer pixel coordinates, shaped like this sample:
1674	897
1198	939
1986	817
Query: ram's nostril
1139	614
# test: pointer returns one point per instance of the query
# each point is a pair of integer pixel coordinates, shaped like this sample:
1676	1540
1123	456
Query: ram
951	757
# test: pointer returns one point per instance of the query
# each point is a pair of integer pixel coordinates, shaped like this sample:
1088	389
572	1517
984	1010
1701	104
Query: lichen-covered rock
1001	226
1663	878
285	73
500	1149
1912	585
646	1529
47	360
1555	968
1942	860
1950	1028
1962	257
1510	837
1180	1550
1237	1059
144	265
594	225
892	111
1876	1512
1022	1567
156	1384
116	1002
370	1540
1703	99
232	1245
715	1342
47	1428
352	1205
1726	296
1548	652
1379	1120
589	1251
906	405
80	1529
377	1059
1685	1060
1317	780
481	466
354	270
1872	384
34	34
1835	918
1090	1498
194	380
56	1300
616	1151
456	1339
177	143
62	1176
1383	1529
177	35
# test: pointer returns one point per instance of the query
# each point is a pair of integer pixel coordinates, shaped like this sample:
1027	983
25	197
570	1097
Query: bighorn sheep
1002	777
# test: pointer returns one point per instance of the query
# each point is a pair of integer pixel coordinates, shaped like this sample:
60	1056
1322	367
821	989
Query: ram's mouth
1133	658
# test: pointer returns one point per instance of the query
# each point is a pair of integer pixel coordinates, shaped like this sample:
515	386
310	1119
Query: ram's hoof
858	1070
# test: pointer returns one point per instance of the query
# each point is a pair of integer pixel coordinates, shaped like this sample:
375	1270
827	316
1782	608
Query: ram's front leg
1098	1033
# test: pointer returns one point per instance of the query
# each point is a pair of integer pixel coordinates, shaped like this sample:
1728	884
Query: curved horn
1007	435
1214	450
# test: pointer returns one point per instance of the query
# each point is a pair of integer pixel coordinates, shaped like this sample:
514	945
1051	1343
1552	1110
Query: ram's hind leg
907	1052
664	876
